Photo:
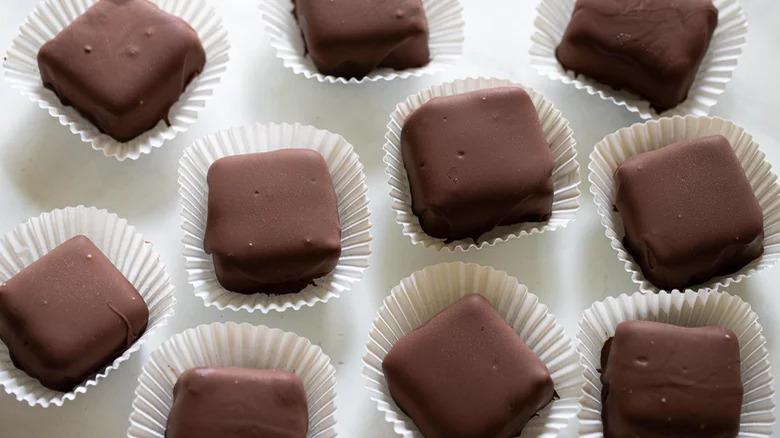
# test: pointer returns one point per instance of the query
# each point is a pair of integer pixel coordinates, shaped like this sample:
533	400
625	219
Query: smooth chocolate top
273	222
351	38
69	315
122	65
466	374
477	160
650	47
238	403
664	381
689	212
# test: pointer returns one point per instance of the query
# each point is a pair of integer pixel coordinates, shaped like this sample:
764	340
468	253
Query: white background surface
43	166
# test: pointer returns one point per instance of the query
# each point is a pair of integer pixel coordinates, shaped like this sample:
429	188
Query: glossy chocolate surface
238	403
351	38
273	223
477	160
664	381
69	314
689	212
122	65
652	48
466	374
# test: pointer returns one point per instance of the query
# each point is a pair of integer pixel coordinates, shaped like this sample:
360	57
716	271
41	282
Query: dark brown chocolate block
351	38
69	315
651	47
477	160
689	212
238	403
273	223
467	374
664	381
122	65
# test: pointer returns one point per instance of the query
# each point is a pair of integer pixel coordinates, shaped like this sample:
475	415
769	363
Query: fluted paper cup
617	147
688	309
51	16
445	42
233	345
429	291
346	171
127	250
566	173
714	73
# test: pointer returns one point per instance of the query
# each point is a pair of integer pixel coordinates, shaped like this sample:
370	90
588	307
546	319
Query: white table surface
43	166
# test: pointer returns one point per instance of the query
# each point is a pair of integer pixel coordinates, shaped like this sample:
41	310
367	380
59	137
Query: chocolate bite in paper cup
419	299
688	309
666	81
233	345
448	176
107	244
351	202
683	213
122	122
338	57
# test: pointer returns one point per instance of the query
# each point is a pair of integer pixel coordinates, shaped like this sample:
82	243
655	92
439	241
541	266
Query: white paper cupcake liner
346	172
566	173
445	23
126	249
688	309
51	16
233	345
429	291
713	74
616	148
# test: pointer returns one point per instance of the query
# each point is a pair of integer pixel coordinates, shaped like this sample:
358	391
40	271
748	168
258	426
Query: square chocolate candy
689	212
69	314
273	222
467	374
122	65
665	381
238	403
477	160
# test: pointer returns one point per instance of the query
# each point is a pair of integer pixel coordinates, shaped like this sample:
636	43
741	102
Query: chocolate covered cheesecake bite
477	160
122	65
352	38
689	212
466	374
663	381
230	402
273	222
652	48
69	314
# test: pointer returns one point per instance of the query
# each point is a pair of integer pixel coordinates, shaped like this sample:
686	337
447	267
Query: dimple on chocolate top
664	381
351	38
650	47
477	160
69	315
122	65
273	223
467	374
689	212
229	402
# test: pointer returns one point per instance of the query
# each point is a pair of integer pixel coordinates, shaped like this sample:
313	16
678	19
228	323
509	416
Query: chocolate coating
273	222
238	403
466	374
122	65
69	314
689	212
477	160
665	381
351	38
651	47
